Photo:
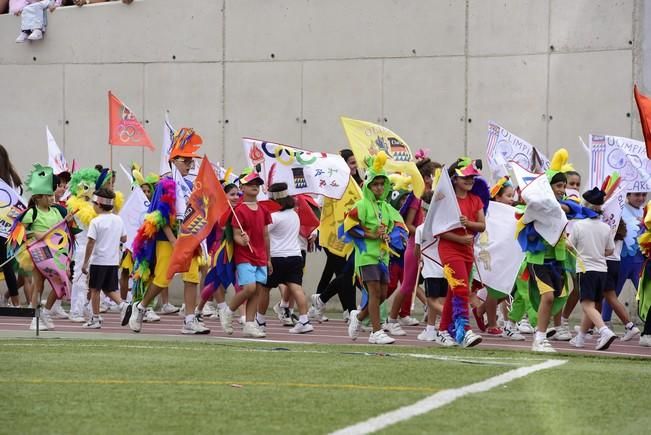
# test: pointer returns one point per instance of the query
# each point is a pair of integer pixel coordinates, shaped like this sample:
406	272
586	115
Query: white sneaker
209	310
103	307
578	341
169	309
394	328
425	308
280	312
77	319
252	331
346	316
46	319
318	309
562	334
150	316
445	339
241	320
630	333
194	327
88	311
261	326
135	322
525	327
354	325
182	311
542	346
408	321
379	337
301	328
588	334
226	319
645	341
94	323
35	35
512	334
427	335
41	327
471	339
22	37
113	308
58	312
605	340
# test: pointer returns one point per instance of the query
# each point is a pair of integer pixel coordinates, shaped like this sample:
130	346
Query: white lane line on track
440	399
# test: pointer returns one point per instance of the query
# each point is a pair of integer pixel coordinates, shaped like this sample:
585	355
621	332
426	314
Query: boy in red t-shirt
457	253
251	255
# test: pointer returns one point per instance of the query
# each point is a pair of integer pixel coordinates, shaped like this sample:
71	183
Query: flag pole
239	224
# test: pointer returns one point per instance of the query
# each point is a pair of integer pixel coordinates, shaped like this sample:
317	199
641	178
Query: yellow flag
367	139
332	215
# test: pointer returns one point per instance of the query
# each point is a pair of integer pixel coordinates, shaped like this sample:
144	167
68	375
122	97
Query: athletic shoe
630	333
103	307
394	328
471	339
125	314
94	323
252	331
479	320
428	335
280	313
562	334
46	319
88	312
525	327
182	311
605	339
169	309
261	326
512	334
493	330
346	316
542	346
242	320
578	341
289	318
77	319
201	326
318	309
209	310
588	334
135	321
194	327
354	325
35	35
379	337
22	37
226	319
408	321
150	316
58	312
41	327
198	317
302	328
445	339
645	340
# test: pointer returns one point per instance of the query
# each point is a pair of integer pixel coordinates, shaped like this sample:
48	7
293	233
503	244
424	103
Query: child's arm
267	248
90	245
466	239
478	226
240	237
417	252
409	220
167	230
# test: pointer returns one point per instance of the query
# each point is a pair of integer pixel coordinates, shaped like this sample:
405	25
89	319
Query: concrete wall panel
589	93
193	95
332	89
304	29
426	119
591	24
499	27
27	108
510	91
263	101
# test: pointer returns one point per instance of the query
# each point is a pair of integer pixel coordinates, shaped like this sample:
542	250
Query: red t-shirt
253	223
469	206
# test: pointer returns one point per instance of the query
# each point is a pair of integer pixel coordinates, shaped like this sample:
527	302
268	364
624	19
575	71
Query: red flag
644	106
206	205
124	128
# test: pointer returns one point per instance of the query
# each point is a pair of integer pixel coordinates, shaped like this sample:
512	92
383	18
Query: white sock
582	334
390	320
228	310
260	318
57	304
221	305
189	318
284	304
630	325
303	319
540	336
430	328
603	329
141	307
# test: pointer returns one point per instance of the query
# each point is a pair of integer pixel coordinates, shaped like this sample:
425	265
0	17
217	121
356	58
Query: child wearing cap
251	254
593	241
105	234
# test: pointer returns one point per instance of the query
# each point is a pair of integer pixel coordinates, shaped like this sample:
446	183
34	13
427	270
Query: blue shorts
250	274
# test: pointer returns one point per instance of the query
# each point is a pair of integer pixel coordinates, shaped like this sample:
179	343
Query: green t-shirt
44	220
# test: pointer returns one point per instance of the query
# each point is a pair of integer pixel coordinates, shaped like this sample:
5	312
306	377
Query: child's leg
433	310
124	284
37	288
94	301
590	315
298	295
164	296
491	311
572	300
373	307
253	301
245	294
115	297
51	299
446	312
545	311
263	300
420	294
619	309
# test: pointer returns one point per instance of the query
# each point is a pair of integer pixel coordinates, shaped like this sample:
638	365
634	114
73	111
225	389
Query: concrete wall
285	70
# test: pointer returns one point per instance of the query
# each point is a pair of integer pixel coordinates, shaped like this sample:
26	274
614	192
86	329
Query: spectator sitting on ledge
89	2
33	17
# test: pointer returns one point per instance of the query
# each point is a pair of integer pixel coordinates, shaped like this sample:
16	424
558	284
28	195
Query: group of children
393	253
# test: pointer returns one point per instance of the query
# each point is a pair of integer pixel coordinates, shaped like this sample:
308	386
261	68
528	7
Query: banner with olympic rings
11	205
124	128
51	256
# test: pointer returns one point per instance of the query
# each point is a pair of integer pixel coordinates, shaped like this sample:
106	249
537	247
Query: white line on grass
440	399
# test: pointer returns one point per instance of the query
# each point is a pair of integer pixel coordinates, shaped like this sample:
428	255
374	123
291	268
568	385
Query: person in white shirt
105	234
593	241
286	260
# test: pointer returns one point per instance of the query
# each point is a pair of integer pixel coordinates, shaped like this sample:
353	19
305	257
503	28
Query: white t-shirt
430	269
106	230
283	234
591	238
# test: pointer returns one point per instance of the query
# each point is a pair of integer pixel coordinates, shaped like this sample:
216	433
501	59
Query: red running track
331	332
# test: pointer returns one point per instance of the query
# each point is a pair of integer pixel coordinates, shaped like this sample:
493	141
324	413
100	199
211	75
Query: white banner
55	158
497	251
612	209
503	146
626	156
11	204
303	171
444	214
543	209
133	214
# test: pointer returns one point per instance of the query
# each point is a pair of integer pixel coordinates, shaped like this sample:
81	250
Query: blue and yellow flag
332	216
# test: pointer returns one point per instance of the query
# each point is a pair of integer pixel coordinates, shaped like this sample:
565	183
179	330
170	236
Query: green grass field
139	386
